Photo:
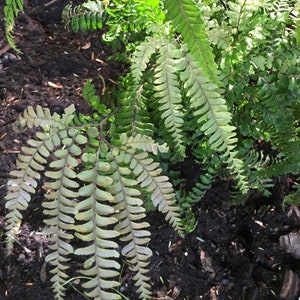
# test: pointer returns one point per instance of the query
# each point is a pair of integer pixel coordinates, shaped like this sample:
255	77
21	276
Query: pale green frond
143	142
142	54
162	194
96	215
167	91
130	212
42	117
23	183
212	113
59	207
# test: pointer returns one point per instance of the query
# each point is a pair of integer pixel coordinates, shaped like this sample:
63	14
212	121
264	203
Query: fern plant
96	189
261	73
182	94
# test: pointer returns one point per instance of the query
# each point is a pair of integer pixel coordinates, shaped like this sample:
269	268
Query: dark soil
234	251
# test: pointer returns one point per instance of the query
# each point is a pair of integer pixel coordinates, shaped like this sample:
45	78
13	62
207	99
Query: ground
234	251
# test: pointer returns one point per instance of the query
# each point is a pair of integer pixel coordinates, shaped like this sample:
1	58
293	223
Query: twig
7	47
50	3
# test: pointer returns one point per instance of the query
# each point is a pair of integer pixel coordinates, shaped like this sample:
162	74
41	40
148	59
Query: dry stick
7	47
50	3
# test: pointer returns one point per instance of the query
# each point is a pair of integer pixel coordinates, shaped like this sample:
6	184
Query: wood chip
55	85
86	46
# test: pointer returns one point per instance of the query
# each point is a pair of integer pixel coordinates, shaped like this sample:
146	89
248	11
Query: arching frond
42	117
147	172
60	207
187	19
132	116
212	114
23	183
142	54
130	212
31	162
167	91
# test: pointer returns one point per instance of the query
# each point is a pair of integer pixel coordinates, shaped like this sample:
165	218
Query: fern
167	91
87	16
187	20
31	163
142	55
110	184
96	208
181	91
132	117
11	12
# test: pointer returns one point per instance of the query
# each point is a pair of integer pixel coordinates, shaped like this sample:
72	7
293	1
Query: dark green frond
84	17
132	116
187	19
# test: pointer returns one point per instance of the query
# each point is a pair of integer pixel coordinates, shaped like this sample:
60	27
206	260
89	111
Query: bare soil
234	251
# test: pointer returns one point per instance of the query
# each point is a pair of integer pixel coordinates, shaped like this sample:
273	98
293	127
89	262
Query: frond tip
11	12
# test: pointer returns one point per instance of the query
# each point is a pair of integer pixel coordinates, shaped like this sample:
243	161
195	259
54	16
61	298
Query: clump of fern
260	73
181	91
96	186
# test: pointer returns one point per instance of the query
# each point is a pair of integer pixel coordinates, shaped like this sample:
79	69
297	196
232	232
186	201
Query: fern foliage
32	162
95	191
11	12
183	97
187	20
84	17
182	91
262	86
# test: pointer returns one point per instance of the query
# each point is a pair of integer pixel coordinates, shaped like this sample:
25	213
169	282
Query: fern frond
167	91
132	116
31	162
42	117
95	212
142	142
23	182
87	16
11	11
130	213
212	114
142	54
147	171
187	19
60	206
